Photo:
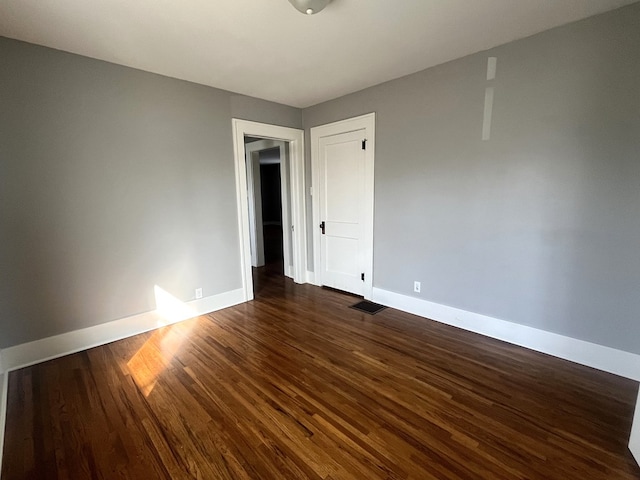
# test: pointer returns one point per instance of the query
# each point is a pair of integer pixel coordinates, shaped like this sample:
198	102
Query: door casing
295	138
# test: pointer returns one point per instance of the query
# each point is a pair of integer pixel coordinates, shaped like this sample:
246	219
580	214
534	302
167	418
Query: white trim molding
311	278
30	353
608	359
4	377
4	384
634	438
295	137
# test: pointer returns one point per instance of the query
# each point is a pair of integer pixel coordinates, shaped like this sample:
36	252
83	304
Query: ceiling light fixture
309	6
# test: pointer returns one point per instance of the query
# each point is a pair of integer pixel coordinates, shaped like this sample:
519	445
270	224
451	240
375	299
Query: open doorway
269	201
272	218
275	153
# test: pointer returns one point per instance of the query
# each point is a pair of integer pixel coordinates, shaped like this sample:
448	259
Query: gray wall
258	110
112	180
541	224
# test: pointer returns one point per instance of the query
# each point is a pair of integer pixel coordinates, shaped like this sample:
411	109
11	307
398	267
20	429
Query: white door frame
295	138
254	202
368	123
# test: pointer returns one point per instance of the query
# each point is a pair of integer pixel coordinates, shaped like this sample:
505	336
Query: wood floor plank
295	385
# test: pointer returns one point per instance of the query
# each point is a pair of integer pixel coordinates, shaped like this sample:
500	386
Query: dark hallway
272	214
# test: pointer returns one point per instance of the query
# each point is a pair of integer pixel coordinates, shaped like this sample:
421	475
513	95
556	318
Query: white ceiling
267	49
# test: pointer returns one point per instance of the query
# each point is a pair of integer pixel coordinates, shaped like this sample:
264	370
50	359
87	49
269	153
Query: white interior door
342	167
342	161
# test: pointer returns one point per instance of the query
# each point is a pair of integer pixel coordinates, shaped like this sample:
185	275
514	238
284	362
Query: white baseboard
597	356
52	347
593	355
38	351
608	359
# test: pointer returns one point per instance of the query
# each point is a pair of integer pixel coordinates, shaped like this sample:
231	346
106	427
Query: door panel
341	180
342	163
342	270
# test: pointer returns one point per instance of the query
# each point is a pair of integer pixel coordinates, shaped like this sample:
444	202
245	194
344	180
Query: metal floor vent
368	307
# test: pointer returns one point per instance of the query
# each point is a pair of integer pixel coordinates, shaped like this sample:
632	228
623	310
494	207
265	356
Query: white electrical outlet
198	293
416	287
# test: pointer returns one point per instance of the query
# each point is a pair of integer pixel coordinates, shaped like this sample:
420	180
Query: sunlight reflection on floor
148	363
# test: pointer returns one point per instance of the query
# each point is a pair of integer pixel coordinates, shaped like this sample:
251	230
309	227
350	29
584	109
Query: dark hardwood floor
295	385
